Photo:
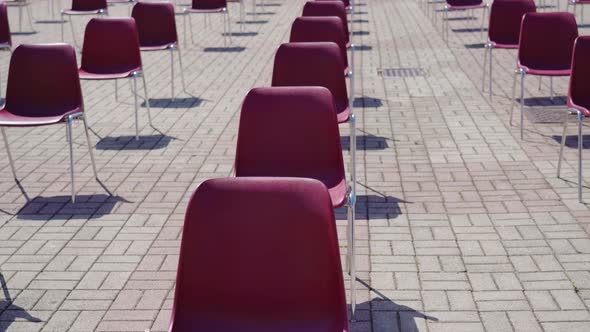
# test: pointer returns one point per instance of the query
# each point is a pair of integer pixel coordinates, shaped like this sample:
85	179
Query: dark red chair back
464	3
547	40
290	131
43	81
88	5
320	29
259	254
505	20
312	64
327	8
4	26
579	87
111	45
156	24
209	4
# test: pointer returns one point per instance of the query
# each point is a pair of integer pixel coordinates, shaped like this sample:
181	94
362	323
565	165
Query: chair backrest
111	45
290	131
464	3
209	4
346	2
88	5
320	29
312	64
505	20
579	86
547	40
259	254
43	81
4	26
327	8
156	23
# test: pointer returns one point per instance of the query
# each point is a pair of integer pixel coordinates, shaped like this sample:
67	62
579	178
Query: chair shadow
9	312
571	141
24	33
147	142
361	33
581	26
403	317
242	34
272	4
261	13
362	47
253	22
469	30
233	49
477	45
50	21
544	101
62	208
360	21
373	206
365	142
361	13
176	103
368	102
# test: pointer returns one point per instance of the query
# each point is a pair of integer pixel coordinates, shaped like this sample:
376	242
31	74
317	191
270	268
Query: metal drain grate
401	72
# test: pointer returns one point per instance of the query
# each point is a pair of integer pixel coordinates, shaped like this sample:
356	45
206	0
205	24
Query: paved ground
462	225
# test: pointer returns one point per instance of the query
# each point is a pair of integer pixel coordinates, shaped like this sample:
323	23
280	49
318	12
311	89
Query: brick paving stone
461	226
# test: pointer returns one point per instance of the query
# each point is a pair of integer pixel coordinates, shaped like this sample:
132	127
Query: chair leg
228	27
73	33
562	145
490	71
352	258
540	85
242	9
172	72
9	154
190	26
30	16
580	145
551	87
225	28
70	139
116	90
483	18
62	28
485	60
522	106
147	99
184	25
135	92
181	70
516	72
20	18
89	147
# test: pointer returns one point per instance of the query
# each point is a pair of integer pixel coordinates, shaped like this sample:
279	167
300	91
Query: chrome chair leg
62	27
147	99
225	27
70	138
242	15
516	72
135	92
580	145
172	72
116	90
483	18
352	258
485	60
30	17
228	26
89	147
9	154
551	87
522	105
490	71
562	145
181	69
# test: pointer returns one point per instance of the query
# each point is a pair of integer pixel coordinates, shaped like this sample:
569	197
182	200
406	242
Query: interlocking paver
461	225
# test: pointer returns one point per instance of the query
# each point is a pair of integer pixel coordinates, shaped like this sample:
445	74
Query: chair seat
84	75
504	46
338	194
481	5
545	72
157	47
343	115
8	119
205	11
82	12
120	1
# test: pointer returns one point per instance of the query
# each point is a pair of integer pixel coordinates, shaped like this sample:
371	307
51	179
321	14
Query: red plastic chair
504	29
82	7
111	52
328	8
545	49
209	7
270	143
21	4
5	38
575	3
259	254
161	36
321	29
578	100
34	99
461	5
